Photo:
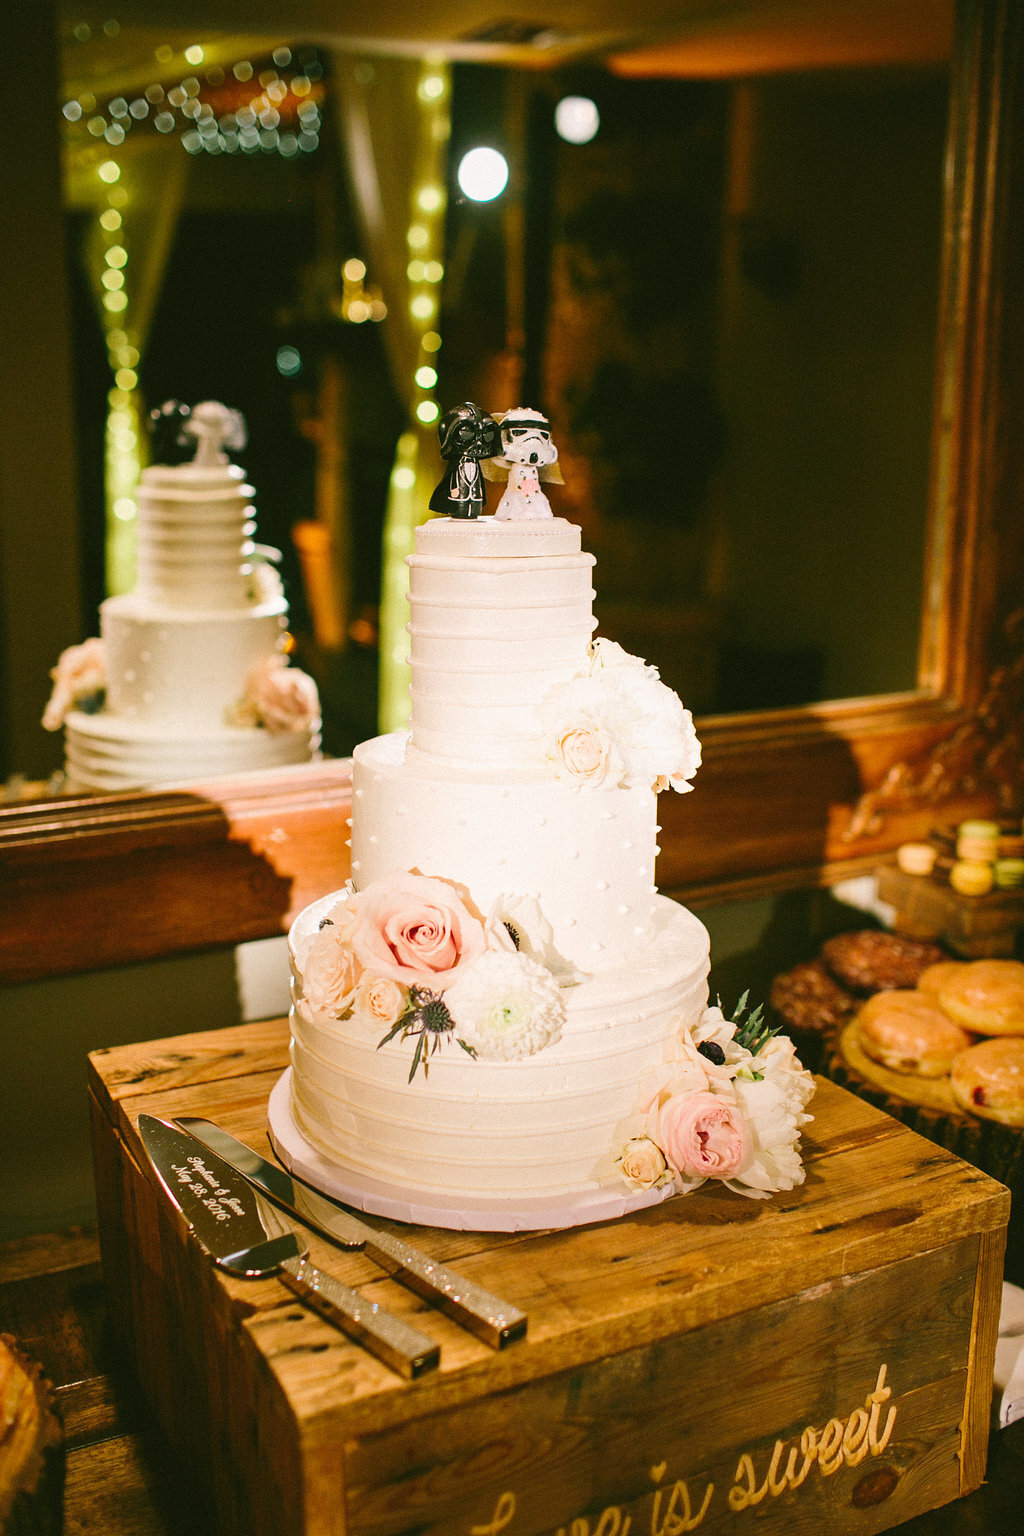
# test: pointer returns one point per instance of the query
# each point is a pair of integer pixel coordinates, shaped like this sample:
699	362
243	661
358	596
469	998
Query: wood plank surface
886	1256
94	881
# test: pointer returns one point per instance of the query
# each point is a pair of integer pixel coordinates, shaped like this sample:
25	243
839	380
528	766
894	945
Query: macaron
1008	873
971	877
916	858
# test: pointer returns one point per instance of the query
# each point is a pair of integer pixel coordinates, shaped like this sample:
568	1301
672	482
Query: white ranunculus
774	1111
505	1006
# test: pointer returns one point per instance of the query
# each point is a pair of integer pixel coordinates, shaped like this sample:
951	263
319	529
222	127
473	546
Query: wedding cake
500	1023
189	678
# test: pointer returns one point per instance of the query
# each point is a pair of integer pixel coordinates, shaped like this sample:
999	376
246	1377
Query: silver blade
486	1315
243	1233
222	1210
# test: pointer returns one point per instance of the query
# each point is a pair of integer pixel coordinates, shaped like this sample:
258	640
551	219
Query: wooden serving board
818	1362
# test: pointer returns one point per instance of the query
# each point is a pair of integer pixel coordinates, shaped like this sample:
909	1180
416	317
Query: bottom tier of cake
109	754
496	1145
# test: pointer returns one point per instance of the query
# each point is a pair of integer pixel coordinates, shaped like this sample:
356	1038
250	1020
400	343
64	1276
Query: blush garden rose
730	1106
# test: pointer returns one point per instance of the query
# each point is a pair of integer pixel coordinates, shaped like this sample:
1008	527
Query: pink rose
329	974
703	1137
582	753
283	698
416	930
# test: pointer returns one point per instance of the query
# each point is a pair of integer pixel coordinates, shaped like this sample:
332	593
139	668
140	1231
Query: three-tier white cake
502	868
191	680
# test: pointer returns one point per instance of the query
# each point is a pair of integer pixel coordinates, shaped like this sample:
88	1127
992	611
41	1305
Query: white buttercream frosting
586	854
549	1124
500	613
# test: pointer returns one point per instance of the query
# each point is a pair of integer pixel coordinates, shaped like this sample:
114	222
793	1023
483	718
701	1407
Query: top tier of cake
501	611
195	537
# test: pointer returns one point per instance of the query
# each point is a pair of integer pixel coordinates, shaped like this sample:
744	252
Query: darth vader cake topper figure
467	435
527	457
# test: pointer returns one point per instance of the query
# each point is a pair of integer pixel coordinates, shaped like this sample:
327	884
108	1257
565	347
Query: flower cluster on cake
499	1022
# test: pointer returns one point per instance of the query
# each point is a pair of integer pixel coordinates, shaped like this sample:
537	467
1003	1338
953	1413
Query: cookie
906	1032
988	1080
986	996
809	999
876	961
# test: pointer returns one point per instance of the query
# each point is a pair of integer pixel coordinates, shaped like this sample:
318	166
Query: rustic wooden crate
818	1363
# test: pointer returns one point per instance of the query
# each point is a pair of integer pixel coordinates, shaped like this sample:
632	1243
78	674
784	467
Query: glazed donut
988	1080
930	981
986	996
874	960
907	1032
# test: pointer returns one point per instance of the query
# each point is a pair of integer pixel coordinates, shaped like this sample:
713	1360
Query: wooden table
889	1256
122	1479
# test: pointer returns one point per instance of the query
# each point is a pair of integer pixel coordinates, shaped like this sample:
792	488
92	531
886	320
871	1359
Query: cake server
490	1318
244	1234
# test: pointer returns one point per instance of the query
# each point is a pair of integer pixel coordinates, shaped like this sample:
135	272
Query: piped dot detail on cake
603	885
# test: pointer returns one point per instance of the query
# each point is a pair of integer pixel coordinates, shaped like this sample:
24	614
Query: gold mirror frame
780	799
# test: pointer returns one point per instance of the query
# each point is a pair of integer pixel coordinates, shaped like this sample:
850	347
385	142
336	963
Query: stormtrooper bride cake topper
527	457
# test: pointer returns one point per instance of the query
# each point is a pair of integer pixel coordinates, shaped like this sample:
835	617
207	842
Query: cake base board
421	1208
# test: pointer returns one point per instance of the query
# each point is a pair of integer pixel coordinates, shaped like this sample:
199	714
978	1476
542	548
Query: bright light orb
577	119
483	174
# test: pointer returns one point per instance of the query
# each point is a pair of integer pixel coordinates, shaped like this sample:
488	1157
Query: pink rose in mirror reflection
79	682
280	697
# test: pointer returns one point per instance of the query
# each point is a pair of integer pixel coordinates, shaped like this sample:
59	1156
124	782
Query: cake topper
467	435
527	457
179	433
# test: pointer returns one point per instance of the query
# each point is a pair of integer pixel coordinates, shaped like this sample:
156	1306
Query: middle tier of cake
585	853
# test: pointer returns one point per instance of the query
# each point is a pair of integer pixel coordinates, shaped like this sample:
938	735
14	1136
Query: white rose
506	1006
582	753
617	720
378	1001
329	974
643	1163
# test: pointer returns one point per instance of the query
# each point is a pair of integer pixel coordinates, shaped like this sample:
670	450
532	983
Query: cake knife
486	1315
244	1234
